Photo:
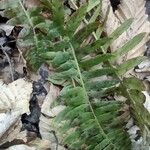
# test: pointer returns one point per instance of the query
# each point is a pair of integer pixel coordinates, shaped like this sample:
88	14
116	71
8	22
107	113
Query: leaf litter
23	124
38	96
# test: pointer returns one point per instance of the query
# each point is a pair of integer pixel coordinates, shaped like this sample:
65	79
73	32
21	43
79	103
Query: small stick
9	61
52	131
20	55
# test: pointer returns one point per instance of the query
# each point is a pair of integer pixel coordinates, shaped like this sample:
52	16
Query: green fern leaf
129	45
99	72
122	28
95	46
98	85
58	15
75	20
96	60
85	31
134	83
129	64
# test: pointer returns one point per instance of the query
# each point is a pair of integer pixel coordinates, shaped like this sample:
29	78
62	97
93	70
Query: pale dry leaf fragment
47	131
8	135
45	128
14	101
6	121
51	96
7	28
32	3
40	144
147	100
56	110
143	67
21	137
21	147
46	119
21	90
133	130
37	144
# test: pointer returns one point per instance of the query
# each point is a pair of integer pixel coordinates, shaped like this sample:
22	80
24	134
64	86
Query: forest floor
13	66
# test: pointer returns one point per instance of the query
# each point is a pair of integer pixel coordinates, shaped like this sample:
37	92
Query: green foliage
92	118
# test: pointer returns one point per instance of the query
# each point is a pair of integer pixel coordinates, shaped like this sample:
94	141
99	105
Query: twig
9	61
52	131
21	56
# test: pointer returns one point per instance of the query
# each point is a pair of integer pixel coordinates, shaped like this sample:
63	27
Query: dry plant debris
14	101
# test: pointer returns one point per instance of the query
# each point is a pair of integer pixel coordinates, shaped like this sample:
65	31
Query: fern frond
98	89
78	104
91	124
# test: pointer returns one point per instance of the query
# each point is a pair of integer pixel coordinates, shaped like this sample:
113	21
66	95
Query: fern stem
83	86
30	22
